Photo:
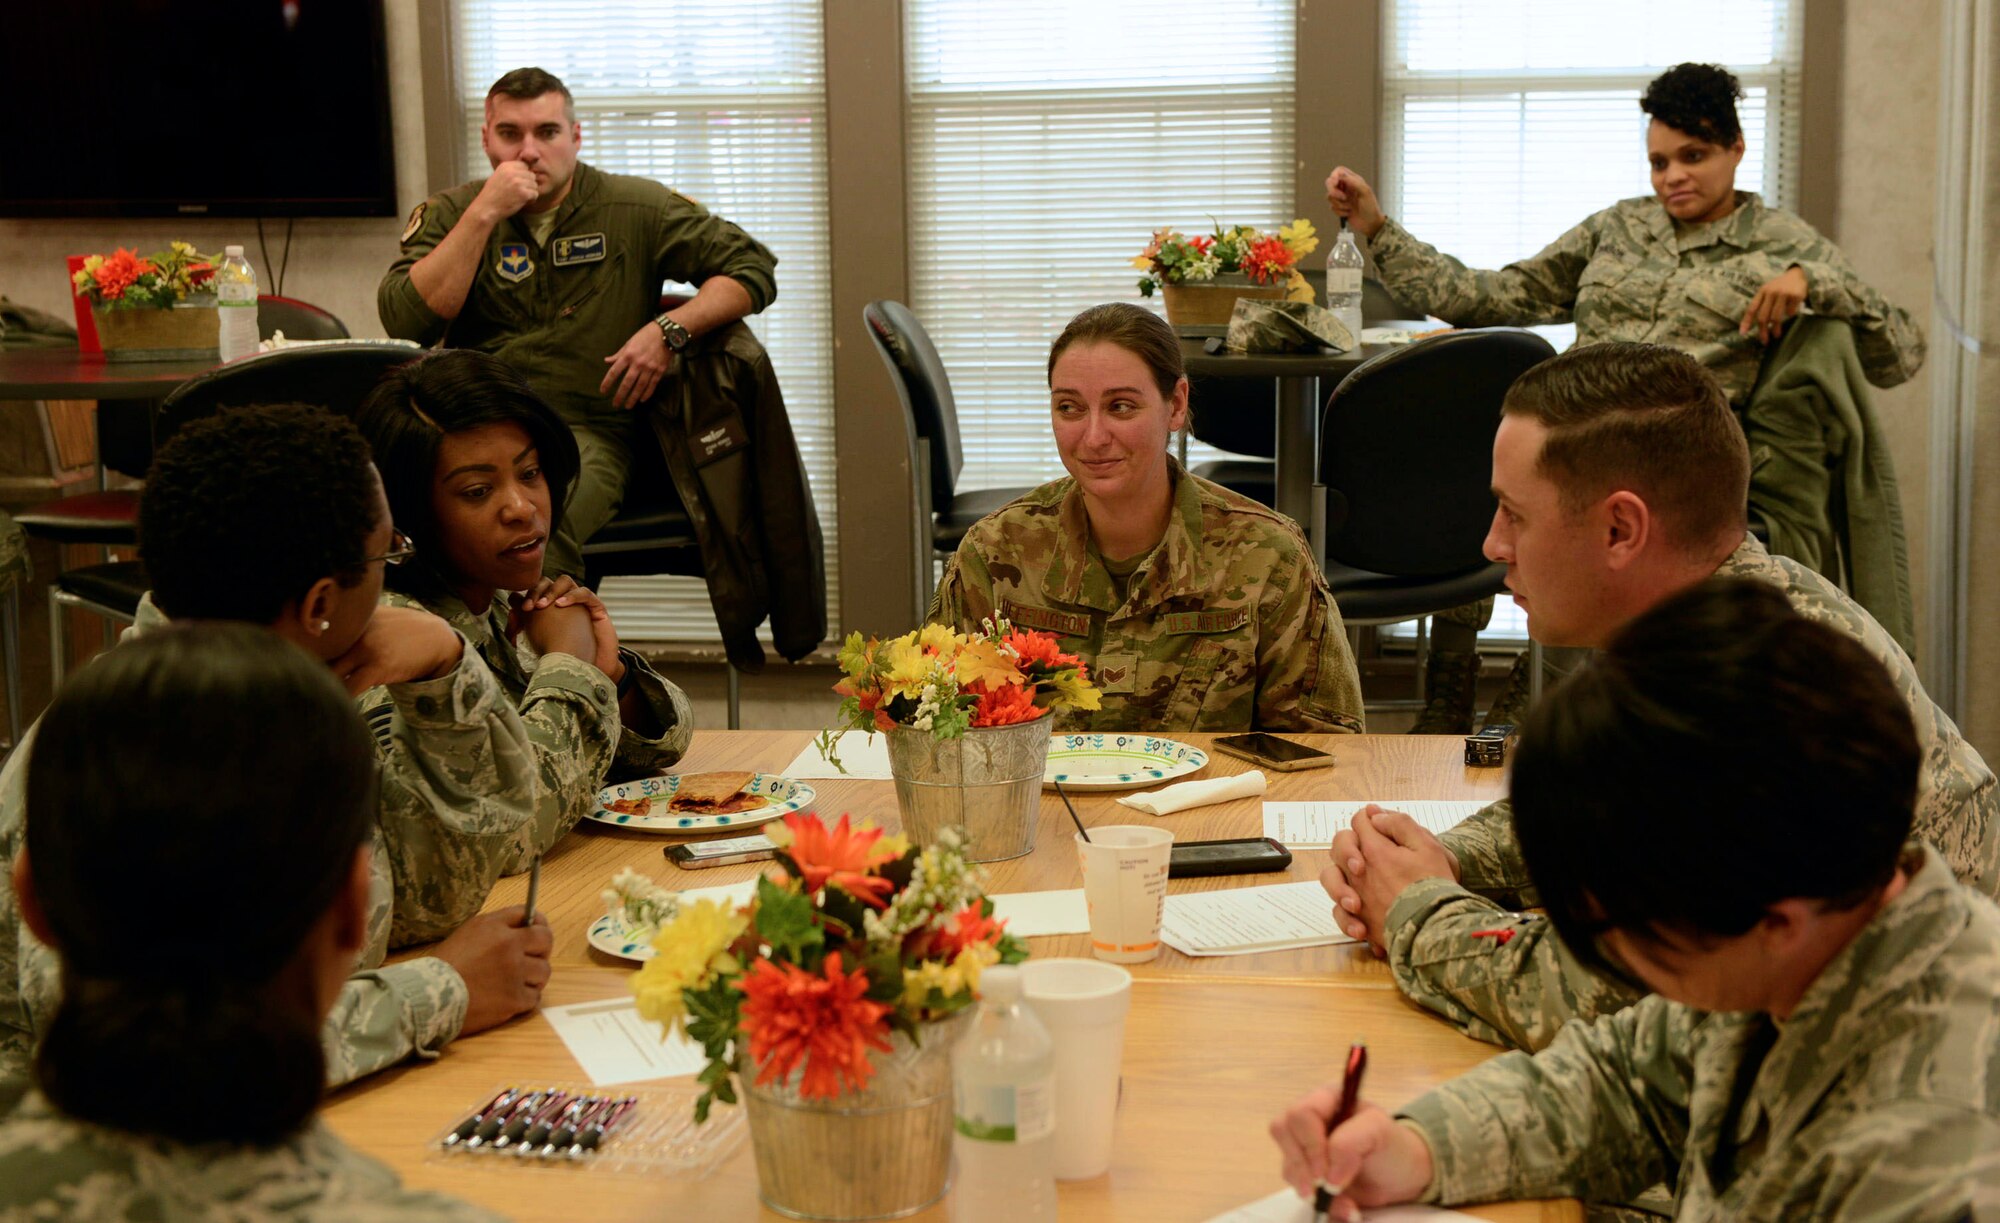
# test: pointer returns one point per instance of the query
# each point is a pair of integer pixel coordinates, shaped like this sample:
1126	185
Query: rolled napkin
1197	793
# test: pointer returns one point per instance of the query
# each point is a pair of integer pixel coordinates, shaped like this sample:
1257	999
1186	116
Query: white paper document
1031	913
1312	825
1284	1206
866	757
614	1045
1242	921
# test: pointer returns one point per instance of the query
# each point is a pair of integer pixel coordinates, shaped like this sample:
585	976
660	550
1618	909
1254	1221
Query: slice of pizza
715	794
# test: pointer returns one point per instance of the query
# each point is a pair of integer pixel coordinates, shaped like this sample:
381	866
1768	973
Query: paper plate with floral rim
1119	762
645	804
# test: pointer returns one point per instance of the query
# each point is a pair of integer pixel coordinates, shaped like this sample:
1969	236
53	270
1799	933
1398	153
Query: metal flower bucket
877	1154
987	784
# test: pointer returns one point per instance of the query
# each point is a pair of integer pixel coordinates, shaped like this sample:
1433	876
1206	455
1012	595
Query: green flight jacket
555	311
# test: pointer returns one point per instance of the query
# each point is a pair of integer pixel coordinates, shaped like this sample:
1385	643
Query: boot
1451	679
1512	704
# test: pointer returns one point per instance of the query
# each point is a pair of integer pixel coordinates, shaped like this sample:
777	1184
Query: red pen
1350	1096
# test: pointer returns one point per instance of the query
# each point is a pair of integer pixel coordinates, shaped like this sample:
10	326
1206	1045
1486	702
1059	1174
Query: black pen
1350	1095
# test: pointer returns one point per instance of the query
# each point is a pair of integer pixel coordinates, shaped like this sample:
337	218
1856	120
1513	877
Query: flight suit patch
416	221
582	248
1048	619
718	441
1184	623
1115	672
514	265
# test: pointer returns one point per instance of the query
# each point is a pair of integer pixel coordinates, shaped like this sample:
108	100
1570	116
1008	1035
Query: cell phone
1284	755
697	854
1243	856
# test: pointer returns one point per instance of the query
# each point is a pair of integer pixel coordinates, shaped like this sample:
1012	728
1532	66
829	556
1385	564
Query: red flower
1038	648
968	928
116	274
1005	707
870	701
1267	259
842	856
824	1020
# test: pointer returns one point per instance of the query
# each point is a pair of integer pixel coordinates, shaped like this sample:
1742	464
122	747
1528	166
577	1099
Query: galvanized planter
986	783
877	1154
181	333
1208	303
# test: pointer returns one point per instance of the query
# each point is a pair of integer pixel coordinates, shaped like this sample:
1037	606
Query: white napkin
1197	793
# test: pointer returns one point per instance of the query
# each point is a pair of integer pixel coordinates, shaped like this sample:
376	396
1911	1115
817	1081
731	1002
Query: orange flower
1032	648
842	856
824	1020
968	928
118	271
1005	707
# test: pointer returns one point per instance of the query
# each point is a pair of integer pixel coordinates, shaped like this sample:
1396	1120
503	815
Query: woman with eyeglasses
181	1074
477	469
274	516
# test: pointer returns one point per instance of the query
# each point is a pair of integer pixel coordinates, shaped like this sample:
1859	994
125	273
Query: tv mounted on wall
157	108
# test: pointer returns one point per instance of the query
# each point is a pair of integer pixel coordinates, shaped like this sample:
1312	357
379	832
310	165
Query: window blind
1047	140
725	101
1506	123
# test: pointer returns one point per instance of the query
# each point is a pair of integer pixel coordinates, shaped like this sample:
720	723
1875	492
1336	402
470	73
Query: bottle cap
1000	985
232	252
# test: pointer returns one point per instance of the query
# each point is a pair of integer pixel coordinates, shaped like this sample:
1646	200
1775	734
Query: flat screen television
159	108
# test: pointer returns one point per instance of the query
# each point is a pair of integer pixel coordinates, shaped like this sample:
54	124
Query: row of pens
545	1124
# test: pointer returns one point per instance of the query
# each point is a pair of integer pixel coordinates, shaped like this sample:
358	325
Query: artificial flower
687	951
1300	236
1006	707
841	856
968	927
823	1020
988	664
951	979
905	666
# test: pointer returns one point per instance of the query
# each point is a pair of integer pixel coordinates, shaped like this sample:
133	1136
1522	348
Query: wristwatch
673	333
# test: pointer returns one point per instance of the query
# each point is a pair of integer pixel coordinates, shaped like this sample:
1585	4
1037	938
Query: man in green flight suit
556	267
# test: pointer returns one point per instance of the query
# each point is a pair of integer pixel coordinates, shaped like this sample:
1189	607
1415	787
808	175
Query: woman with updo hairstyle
205	883
478	469
1697	265
1195	608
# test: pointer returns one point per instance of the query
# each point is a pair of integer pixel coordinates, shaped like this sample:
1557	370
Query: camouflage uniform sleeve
1538	289
459	788
571	712
694	244
1515	988
965	596
385	1014
1306	677
647	755
1889	342
1600	1114
1489	858
404	313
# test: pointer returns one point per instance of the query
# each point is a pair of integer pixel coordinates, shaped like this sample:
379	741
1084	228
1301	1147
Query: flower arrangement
946	683
1174	258
854	936
161	280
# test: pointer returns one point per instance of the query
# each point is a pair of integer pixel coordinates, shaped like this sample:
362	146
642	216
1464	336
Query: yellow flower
1075	692
1300	236
687	952
905	667
938	637
950	980
895	841
985	662
1298	288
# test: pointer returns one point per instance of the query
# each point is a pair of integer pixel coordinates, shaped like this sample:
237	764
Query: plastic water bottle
236	304
1343	280
1004	1097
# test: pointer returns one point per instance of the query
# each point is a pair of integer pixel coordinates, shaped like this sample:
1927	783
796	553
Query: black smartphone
1243	856
1284	755
693	855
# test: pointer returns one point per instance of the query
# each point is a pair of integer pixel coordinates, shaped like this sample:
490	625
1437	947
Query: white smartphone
696	854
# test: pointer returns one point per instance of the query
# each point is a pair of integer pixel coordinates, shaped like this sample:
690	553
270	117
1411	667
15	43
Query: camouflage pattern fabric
1878	1098
1285	326
1226	625
570	711
14	567
1522	990
52	1167
1631	272
458	790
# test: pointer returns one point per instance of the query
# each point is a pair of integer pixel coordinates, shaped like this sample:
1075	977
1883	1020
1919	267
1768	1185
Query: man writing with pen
1823	1035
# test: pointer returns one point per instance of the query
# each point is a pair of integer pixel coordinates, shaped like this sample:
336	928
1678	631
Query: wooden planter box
184	333
1208	303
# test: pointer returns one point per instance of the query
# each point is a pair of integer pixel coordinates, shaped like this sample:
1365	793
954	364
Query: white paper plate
785	794
609	935
1118	762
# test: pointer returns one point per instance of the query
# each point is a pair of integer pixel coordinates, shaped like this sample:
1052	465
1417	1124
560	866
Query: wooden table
65	373
1215	1047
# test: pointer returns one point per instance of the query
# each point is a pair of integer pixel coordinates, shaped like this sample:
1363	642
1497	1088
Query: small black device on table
1241	856
1283	755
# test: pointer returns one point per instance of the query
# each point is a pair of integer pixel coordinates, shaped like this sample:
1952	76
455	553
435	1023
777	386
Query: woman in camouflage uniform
1697	265
1197	609
478	468
181	1075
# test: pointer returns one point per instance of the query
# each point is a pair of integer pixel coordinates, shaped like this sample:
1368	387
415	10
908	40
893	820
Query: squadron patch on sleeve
416	221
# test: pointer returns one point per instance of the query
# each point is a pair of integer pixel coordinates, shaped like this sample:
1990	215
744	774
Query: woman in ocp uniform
1196	609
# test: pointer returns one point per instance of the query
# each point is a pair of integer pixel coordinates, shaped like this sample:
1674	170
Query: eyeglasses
400	550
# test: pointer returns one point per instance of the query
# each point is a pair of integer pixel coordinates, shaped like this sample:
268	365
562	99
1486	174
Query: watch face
676	335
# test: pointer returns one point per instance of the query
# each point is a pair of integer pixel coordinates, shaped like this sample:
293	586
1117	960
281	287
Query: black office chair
1404	500
337	375
932	417
298	320
1237	415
